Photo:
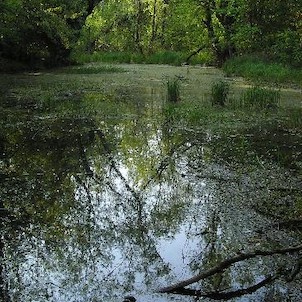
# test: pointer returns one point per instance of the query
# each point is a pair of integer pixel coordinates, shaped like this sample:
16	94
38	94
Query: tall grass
173	90
261	70
260	98
161	57
166	57
107	57
219	93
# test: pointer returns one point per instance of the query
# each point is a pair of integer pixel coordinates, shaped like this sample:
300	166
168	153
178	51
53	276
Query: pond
107	190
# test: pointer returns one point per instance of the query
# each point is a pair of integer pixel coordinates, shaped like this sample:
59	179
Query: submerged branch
239	292
220	267
216	295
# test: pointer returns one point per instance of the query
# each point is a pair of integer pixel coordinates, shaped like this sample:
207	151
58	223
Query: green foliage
173	90
272	27
219	93
182	24
286	48
260	98
37	33
152	31
259	70
163	57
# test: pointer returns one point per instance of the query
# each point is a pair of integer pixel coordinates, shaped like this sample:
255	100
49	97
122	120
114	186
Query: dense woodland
46	33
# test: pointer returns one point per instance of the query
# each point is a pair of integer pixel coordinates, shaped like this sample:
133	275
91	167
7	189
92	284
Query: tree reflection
87	227
92	201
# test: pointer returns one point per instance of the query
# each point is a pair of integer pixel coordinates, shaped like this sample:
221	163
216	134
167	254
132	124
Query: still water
97	207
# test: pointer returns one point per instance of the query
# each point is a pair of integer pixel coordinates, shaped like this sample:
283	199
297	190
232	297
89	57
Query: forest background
55	32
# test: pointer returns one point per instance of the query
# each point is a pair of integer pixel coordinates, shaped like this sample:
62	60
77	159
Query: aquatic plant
173	90
260	98
219	93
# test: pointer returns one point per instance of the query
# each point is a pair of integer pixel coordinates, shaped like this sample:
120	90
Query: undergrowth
260	70
163	57
260	98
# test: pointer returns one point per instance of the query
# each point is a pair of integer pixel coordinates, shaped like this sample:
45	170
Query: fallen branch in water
216	295
179	288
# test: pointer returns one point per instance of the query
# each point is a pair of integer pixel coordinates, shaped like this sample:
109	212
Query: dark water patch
279	145
263	143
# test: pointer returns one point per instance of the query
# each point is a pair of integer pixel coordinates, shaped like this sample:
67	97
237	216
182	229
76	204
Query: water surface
118	198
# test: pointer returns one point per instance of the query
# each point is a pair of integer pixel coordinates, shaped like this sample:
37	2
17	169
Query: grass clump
260	98
173	90
219	93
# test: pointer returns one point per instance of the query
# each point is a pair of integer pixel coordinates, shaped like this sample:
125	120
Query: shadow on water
93	209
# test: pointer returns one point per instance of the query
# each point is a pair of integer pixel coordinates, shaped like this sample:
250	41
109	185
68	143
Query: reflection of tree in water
124	208
85	224
95	201
235	196
35	192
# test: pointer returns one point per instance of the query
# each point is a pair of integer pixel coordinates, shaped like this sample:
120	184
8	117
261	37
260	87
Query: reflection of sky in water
175	250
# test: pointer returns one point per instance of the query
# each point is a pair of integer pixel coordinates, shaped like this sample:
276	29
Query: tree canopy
47	31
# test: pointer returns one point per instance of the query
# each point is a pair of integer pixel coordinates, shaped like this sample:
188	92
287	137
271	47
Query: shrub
219	93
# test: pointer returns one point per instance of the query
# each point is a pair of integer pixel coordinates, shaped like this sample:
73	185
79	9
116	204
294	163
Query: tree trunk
137	35
154	26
